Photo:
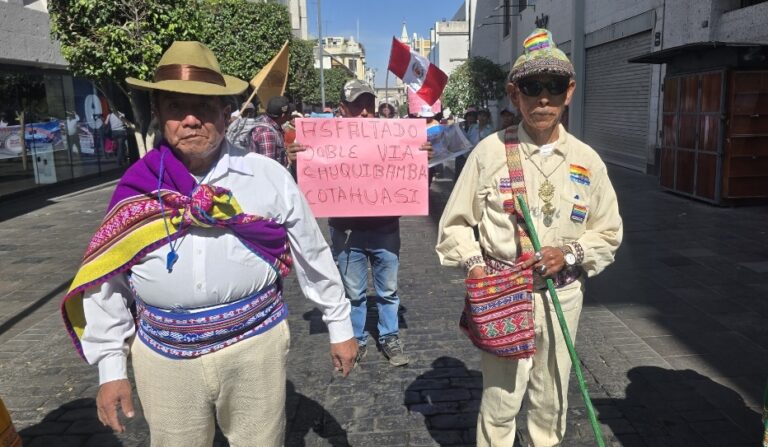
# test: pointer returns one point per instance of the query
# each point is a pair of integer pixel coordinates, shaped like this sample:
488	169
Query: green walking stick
566	334
765	417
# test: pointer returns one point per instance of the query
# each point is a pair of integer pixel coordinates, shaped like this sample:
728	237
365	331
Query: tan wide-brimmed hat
190	67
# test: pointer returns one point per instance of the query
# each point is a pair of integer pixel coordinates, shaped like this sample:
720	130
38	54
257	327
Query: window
353	65
507	19
521	5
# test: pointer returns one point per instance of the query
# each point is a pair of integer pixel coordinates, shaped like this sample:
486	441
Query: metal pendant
546	194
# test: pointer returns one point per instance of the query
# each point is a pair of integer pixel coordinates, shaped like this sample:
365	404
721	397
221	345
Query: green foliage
475	82
243	35
303	78
334	81
111	40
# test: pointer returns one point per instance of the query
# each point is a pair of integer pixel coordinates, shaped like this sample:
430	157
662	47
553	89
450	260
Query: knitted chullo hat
541	56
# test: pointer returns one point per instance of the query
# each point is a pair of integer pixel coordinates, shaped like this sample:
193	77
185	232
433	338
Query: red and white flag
417	72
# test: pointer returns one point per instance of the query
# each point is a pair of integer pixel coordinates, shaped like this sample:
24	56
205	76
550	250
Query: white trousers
241	386
544	376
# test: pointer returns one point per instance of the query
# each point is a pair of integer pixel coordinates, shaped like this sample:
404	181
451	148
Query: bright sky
379	21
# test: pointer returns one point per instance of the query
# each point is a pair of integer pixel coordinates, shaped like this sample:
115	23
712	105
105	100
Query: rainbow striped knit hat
541	56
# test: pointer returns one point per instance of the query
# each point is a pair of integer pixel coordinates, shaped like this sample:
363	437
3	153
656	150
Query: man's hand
427	147
112	394
293	149
547	262
476	272
343	355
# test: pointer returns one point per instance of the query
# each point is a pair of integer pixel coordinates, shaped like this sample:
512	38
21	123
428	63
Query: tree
303	78
107	41
243	35
334	82
475	82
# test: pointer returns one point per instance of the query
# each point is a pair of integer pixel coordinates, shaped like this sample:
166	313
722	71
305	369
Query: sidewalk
673	337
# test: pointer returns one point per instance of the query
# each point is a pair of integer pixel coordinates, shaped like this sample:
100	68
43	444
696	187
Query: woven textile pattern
498	312
185	335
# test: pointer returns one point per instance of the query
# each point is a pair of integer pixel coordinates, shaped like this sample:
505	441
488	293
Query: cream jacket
581	184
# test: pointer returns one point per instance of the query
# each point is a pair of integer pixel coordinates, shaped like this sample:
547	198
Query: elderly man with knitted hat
575	214
185	273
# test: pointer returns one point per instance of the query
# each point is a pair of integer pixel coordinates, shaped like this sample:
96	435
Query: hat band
185	72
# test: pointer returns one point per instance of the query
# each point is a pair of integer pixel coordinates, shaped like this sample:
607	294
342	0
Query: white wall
451	46
25	34
744	25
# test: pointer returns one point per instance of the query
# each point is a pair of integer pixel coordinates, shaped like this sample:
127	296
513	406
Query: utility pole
321	55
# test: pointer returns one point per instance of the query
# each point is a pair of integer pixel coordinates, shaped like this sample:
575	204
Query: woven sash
498	310
188	335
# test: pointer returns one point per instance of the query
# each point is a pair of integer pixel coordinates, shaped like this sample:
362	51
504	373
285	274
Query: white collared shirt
214	267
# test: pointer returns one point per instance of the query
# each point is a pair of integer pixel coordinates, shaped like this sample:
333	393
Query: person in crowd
428	114
196	240
119	134
358	242
484	127
576	216
507	117
267	136
241	125
73	131
468	126
387	110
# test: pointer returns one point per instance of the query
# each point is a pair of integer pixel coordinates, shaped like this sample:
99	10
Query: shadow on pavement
72	424
448	396
679	408
304	415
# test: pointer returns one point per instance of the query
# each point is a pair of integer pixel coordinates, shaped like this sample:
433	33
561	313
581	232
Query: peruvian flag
415	70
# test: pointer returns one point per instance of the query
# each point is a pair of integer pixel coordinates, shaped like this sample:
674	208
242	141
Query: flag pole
320	55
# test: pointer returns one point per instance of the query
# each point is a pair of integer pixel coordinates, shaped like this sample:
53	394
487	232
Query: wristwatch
569	256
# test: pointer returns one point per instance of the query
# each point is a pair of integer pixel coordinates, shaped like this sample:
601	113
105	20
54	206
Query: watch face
570	259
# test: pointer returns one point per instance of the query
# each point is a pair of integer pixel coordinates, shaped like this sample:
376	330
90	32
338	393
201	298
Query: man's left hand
343	355
551	262
427	147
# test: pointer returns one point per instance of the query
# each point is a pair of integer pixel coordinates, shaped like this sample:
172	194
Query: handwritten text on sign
363	167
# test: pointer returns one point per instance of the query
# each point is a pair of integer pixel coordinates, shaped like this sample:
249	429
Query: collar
530	148
268	120
230	159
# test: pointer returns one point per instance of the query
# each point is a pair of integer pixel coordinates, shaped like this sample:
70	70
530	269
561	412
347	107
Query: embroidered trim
578	250
471	262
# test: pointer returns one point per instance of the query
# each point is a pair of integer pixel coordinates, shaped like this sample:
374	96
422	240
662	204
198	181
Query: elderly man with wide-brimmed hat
185	273
576	216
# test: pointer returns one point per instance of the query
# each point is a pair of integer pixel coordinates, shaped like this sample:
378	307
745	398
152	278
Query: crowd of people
184	276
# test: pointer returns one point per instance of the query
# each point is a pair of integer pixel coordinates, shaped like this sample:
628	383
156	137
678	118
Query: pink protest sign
363	167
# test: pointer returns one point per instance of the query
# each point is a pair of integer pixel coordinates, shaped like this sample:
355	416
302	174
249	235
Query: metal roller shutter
616	100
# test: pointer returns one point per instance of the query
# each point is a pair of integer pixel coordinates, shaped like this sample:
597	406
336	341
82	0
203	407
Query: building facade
51	123
346	51
625	53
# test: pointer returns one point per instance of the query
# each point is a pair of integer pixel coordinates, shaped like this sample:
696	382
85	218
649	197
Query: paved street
673	337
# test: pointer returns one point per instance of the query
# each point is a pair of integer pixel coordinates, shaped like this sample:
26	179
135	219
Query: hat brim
353	98
550	66
426	115
233	86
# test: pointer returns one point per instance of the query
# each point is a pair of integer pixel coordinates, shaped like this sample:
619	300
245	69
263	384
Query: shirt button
199	251
199	286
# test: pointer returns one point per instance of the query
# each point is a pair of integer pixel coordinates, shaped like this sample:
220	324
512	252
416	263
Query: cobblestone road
673	337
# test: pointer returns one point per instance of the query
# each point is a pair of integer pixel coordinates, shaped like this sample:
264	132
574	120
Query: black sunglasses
534	87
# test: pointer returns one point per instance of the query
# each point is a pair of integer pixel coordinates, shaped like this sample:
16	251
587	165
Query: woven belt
187	334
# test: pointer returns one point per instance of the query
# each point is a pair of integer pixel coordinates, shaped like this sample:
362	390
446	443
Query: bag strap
517	183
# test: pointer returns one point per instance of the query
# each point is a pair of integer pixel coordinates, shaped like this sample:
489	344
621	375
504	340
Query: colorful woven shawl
517	180
136	224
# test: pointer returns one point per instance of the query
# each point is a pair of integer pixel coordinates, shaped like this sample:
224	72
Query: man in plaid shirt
267	136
